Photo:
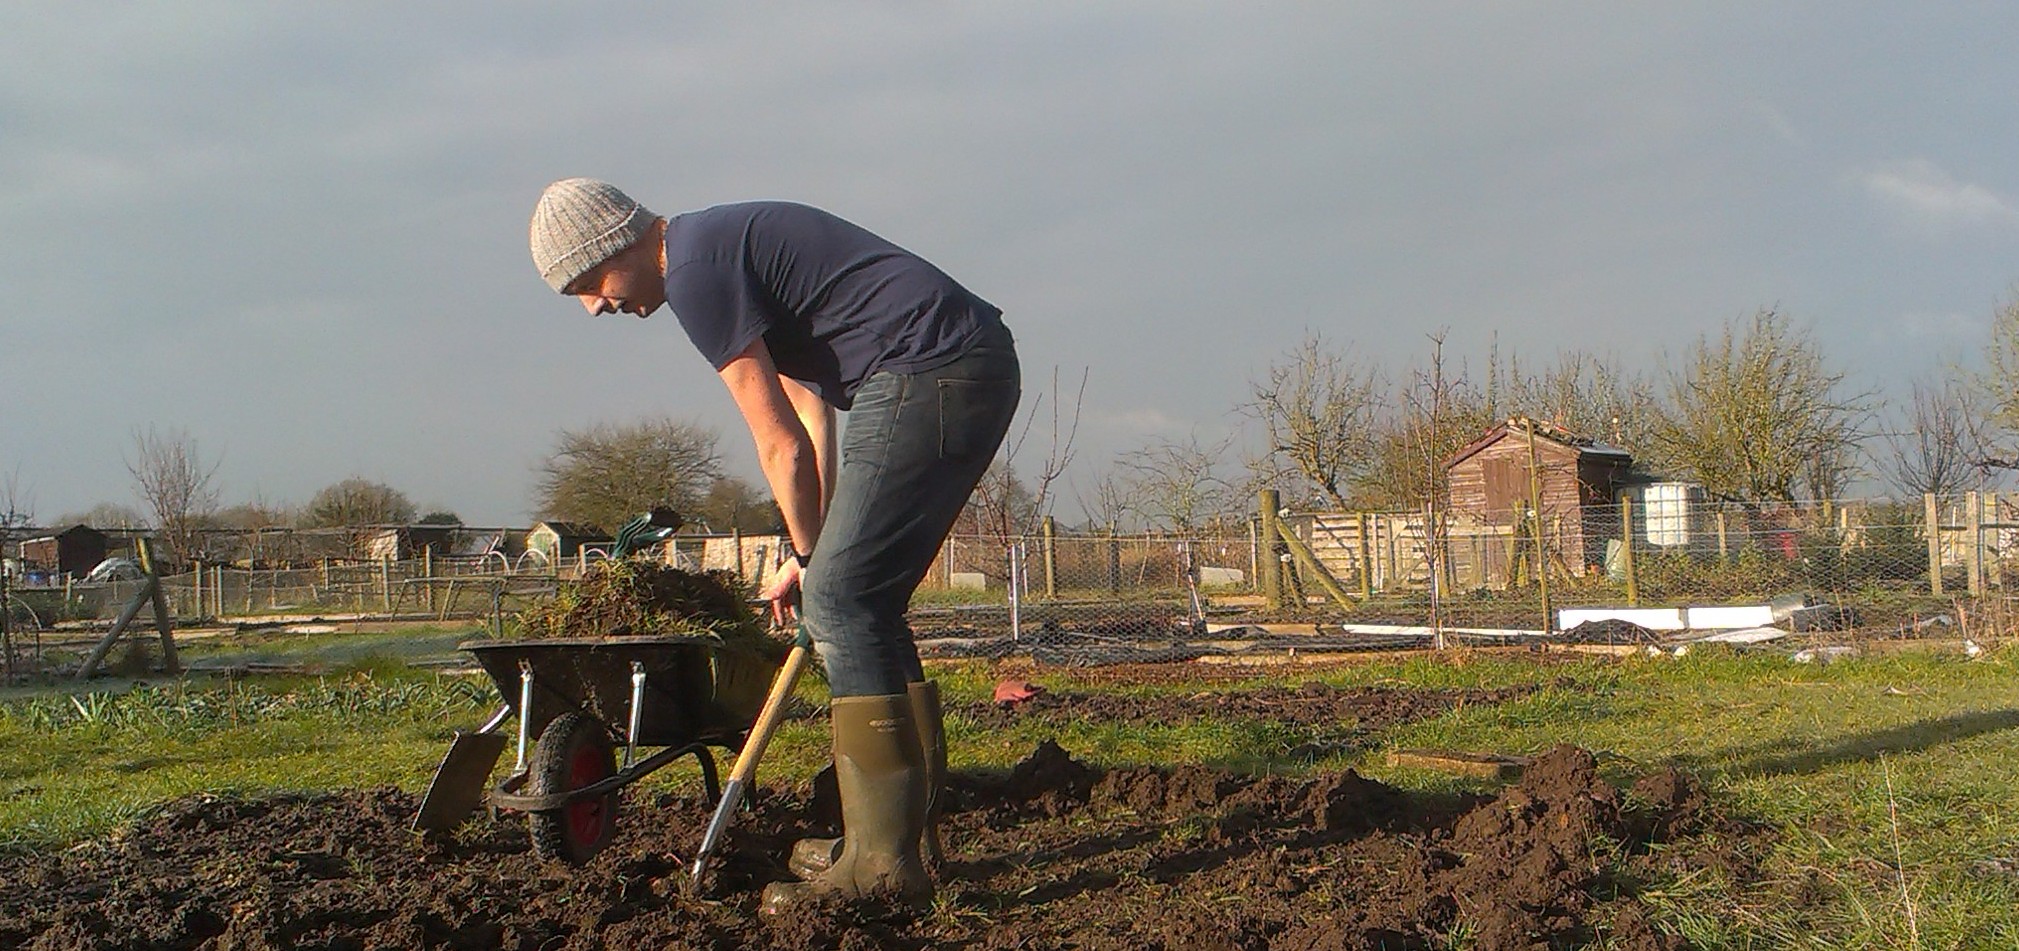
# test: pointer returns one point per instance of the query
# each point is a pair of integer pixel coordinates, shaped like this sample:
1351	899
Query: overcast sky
297	232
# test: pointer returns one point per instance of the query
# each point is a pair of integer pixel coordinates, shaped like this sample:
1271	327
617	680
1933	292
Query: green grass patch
1884	783
81	762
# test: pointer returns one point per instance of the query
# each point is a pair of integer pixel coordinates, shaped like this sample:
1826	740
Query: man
802	313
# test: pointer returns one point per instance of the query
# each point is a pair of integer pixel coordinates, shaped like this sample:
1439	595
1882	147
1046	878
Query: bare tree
1435	416
1177	485
1317	408
1750	414
1933	444
105	515
17	503
1107	503
358	502
255	515
733	504
16	511
1998	384
1003	505
174	481
1269	470
1580	393
606	474
1993	407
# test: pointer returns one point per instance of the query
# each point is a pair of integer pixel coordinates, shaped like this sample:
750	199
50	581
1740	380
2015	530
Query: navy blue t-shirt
833	302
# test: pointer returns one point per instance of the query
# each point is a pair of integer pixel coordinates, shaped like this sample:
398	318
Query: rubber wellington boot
810	857
880	770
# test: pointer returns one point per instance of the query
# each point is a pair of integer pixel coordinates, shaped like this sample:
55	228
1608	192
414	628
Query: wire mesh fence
1877	564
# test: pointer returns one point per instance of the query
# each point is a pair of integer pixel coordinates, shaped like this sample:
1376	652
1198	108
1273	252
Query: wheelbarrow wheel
573	751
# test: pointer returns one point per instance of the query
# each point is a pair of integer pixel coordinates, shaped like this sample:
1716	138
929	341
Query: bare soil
1052	854
1314	702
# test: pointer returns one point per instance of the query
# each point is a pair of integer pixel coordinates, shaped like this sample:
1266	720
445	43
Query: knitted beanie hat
580	223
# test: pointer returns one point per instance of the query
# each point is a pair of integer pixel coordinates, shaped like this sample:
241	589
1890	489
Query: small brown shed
1576	480
73	551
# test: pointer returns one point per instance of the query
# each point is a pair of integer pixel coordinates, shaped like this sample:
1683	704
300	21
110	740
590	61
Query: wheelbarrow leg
525	712
711	784
637	712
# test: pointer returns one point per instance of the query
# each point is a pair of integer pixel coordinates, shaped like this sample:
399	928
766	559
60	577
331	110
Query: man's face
627	283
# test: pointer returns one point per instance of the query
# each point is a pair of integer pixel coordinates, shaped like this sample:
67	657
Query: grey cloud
299	229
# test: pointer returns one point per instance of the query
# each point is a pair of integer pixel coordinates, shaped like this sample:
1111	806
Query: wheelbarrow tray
697	689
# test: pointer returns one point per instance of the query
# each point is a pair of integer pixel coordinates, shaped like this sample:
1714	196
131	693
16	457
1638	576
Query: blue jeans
913	449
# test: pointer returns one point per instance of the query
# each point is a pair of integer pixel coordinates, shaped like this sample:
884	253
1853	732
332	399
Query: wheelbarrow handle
497	719
753	749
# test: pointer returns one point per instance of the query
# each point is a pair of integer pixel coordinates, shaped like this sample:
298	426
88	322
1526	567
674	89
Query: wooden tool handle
773	712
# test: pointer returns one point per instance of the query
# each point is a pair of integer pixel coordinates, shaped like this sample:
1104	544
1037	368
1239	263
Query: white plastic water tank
1669	513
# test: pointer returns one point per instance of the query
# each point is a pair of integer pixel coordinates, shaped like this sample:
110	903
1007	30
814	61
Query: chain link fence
1875	565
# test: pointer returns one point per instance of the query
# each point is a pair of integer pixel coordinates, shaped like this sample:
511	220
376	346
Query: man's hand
783	593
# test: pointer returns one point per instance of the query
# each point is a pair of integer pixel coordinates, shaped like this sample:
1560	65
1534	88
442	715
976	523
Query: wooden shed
73	551
558	540
408	541
1576	480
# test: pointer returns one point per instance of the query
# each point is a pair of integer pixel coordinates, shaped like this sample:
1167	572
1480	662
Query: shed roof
1547	432
79	529
569	529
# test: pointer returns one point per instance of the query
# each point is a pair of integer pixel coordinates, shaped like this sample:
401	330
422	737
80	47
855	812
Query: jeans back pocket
973	416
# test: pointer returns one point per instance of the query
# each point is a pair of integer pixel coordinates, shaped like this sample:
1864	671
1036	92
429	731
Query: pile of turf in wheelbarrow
628	598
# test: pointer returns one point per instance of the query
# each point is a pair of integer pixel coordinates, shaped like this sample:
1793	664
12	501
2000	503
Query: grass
1885	780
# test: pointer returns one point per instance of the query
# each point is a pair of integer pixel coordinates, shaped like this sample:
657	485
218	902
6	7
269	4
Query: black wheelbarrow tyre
573	751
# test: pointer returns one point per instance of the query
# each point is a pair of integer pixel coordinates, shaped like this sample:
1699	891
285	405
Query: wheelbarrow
577	700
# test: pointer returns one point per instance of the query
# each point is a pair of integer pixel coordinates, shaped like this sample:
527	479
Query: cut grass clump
635	599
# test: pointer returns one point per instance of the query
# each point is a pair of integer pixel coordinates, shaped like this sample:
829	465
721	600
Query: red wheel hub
587	817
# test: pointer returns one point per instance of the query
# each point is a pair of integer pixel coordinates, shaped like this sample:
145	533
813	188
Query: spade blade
458	787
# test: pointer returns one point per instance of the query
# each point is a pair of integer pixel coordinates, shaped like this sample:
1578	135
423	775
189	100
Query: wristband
802	559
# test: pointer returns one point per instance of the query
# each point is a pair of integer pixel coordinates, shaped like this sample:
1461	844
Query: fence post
1973	550
1724	547
1364	524
1015	591
1254	555
1535	513
1114	560
1990	564
1269	503
1933	517
428	578
1391	555
1051	543
1626	562
385	584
